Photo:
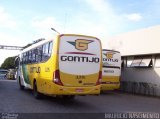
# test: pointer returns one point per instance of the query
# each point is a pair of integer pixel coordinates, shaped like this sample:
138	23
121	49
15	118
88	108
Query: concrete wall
141	81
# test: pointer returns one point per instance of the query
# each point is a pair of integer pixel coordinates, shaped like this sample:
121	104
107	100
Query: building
140	52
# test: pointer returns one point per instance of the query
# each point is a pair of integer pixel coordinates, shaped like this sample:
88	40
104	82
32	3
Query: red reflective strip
81	53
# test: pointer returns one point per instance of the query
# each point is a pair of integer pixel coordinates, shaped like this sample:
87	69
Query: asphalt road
13	100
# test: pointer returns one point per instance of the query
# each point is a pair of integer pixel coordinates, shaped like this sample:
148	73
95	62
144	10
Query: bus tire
20	85
36	94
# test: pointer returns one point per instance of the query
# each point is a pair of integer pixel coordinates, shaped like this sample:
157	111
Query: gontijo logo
81	44
109	57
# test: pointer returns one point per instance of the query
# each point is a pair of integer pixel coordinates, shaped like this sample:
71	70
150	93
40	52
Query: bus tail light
99	78
120	78
56	78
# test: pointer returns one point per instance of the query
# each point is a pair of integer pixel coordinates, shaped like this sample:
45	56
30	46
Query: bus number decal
47	69
108	71
80	77
35	69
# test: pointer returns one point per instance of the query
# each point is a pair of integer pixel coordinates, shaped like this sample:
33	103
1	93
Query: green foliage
8	63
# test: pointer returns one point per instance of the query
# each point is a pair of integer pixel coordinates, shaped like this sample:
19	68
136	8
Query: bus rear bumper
111	86
64	90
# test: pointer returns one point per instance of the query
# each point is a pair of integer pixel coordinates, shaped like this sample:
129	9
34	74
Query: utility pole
55	31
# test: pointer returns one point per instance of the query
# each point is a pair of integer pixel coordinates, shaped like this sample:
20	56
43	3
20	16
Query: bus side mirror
16	62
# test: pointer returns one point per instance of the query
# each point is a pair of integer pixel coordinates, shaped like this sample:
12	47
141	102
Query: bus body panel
110	82
22	74
111	70
79	60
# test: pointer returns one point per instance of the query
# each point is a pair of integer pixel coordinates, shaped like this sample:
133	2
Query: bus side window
30	57
50	48
21	61
45	54
24	58
36	54
27	57
33	56
40	53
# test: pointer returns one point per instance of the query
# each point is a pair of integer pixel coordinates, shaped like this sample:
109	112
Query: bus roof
110	50
36	45
79	35
48	40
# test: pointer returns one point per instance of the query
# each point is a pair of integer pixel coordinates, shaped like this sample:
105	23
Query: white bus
111	70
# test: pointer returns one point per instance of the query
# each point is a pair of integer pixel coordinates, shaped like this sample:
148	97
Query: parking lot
14	100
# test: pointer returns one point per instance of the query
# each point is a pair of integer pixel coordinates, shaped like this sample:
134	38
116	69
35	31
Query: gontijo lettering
80	59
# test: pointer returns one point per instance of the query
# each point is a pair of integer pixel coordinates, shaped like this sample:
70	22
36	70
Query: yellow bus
111	70
68	65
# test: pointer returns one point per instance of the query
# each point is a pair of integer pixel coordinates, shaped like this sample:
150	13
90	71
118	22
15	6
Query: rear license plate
79	90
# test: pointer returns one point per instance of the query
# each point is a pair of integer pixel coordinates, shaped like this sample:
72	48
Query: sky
23	21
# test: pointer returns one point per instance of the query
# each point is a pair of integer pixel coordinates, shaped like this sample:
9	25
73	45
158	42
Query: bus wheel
36	94
20	85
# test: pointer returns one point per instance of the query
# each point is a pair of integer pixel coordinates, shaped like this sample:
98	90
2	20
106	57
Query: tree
8	63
